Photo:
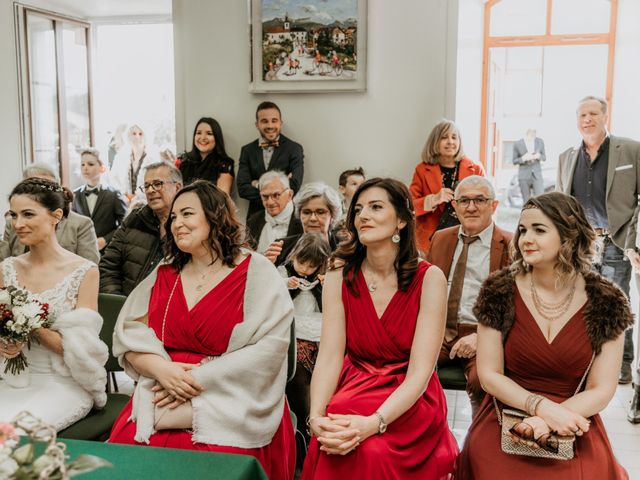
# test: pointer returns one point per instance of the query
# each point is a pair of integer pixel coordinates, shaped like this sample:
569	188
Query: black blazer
256	222
288	157
108	213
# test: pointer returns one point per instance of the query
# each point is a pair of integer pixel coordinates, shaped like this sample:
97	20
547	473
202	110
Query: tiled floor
624	436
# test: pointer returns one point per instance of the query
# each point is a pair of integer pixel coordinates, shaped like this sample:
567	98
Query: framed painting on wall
308	46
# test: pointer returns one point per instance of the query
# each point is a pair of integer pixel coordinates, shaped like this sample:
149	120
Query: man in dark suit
103	204
467	254
603	174
278	220
272	151
528	153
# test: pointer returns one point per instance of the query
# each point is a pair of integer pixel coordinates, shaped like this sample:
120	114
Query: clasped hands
341	434
175	384
552	419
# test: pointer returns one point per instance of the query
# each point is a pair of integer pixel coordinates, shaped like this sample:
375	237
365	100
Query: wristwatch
382	426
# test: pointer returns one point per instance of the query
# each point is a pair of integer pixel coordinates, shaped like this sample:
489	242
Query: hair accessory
51	188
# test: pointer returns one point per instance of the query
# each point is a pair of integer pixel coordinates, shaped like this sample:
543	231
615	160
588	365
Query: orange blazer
444	242
427	179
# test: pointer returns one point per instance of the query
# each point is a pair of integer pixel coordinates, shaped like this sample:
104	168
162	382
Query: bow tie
265	145
93	191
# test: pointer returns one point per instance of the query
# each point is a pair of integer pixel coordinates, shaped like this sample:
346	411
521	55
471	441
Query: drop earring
395	238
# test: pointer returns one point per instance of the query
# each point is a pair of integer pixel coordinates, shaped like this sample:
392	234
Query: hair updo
47	193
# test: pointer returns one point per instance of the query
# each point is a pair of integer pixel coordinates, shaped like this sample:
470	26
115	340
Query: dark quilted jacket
132	254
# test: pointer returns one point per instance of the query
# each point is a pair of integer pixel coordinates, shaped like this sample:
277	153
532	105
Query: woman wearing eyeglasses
435	179
550	340
208	159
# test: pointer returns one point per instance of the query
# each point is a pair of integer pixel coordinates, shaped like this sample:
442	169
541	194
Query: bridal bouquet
20	315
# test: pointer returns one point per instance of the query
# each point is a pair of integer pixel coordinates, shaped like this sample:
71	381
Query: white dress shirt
476	272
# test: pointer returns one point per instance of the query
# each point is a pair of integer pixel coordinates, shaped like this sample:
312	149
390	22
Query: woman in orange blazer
435	179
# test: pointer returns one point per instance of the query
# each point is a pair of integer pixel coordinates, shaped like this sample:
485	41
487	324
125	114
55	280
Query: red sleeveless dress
190	336
553	370
419	444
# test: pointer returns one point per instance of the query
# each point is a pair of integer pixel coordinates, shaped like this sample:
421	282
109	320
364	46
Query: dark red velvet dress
193	335
418	445
553	370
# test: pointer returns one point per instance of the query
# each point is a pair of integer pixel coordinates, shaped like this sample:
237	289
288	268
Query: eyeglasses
155	186
547	441
275	195
321	212
479	202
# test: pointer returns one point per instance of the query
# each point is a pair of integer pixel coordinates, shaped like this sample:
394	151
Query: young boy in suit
104	204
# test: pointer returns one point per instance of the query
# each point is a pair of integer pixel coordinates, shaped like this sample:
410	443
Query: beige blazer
623	186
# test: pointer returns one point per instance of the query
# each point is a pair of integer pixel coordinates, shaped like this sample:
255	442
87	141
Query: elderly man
603	174
467	254
75	232
277	220
136	247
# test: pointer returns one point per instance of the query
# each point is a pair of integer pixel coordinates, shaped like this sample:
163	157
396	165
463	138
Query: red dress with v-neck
553	369
192	335
419	444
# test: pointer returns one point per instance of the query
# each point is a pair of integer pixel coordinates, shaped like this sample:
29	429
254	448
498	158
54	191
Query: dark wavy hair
350	254
576	234
218	150
226	236
46	192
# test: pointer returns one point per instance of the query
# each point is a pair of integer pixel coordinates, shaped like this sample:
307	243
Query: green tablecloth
135	462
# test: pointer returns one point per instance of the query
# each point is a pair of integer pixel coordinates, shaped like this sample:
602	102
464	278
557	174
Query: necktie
266	145
455	293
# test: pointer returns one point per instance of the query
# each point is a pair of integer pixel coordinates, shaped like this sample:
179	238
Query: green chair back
109	306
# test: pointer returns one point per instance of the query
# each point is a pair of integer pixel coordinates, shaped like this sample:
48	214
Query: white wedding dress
56	399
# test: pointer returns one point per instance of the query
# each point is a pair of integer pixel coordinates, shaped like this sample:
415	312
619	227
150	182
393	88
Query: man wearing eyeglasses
467	254
277	219
136	247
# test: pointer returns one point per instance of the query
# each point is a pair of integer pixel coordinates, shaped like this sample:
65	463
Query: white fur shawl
84	354
243	400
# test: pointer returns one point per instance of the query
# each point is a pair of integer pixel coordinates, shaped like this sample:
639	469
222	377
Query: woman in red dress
541	323
211	369
379	412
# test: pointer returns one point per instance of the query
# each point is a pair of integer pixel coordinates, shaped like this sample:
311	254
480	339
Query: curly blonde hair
576	235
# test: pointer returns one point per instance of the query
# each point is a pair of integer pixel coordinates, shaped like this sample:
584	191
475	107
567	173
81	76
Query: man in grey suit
528	152
75	232
603	174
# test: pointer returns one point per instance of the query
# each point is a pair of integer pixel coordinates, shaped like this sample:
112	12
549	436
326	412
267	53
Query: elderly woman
435	178
319	207
209	382
550	341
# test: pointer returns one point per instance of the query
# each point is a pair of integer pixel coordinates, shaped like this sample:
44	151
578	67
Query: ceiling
105	9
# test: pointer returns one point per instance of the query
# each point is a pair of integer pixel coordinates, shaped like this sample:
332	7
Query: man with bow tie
277	220
101	203
271	151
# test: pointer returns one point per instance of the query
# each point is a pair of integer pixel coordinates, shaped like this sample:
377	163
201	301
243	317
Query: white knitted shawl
243	400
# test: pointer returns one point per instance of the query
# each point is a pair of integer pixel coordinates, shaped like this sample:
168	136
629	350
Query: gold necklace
551	311
203	276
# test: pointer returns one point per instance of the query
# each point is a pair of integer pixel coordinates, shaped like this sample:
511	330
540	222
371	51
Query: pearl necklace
551	311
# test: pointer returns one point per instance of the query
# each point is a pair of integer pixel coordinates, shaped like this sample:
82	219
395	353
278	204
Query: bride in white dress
65	377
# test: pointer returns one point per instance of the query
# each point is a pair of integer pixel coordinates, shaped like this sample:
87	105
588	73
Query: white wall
410	86
10	163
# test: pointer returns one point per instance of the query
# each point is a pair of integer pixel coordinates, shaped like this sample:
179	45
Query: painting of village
309	40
